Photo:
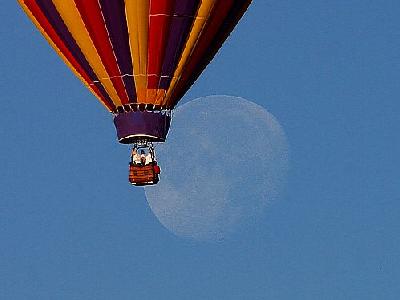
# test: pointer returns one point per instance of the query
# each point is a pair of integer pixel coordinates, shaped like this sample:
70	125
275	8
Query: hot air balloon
138	57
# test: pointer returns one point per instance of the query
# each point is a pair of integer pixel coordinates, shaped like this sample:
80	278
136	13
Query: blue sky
72	228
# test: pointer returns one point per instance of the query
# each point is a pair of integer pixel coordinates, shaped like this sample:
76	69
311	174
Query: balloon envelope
136	55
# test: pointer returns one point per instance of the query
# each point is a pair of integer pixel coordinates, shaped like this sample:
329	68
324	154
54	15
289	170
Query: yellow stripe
199	24
137	17
52	44
73	20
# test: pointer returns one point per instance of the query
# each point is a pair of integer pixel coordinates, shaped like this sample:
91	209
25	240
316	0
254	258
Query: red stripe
158	34
92	17
45	24
161	7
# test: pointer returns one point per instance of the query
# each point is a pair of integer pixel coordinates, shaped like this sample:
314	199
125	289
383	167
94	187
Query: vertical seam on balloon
125	53
130	43
241	10
159	101
170	92
91	20
130	47
161	51
138	35
112	47
115	19
182	81
178	51
148	48
87	30
109	87
140	46
62	55
55	21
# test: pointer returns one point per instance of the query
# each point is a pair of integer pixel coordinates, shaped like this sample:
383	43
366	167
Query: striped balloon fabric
136	52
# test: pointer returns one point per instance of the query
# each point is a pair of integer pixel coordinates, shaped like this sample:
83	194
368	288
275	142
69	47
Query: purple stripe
114	16
186	7
234	16
181	22
57	23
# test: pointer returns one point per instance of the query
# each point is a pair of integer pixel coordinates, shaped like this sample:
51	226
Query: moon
225	160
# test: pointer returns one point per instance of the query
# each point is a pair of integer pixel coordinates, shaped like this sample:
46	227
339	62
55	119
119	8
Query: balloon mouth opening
137	126
135	138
